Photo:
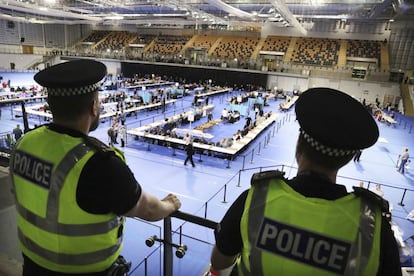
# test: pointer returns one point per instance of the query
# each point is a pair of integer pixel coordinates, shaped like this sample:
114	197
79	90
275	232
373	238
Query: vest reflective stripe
59	176
361	246
69	259
256	213
68	229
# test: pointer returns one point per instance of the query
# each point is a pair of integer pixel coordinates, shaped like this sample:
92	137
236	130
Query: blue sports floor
208	189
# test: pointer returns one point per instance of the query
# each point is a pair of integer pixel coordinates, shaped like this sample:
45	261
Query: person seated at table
233	116
202	140
224	114
221	142
237	135
228	142
379	116
245	130
153	130
173	134
248	121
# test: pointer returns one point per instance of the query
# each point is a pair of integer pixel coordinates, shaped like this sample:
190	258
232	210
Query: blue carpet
210	187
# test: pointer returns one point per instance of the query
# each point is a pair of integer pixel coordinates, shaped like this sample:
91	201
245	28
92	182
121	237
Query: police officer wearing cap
309	225
72	191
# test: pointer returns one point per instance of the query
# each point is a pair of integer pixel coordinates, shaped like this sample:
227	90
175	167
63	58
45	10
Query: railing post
146	266
244	161
401	202
205	210
251	160
228	163
168	257
225	191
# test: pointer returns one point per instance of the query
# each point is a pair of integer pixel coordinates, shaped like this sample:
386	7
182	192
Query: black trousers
189	158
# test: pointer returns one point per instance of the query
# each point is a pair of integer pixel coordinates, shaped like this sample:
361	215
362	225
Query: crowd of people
276	226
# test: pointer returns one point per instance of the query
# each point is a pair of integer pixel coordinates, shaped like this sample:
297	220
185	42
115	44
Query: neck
306	166
79	125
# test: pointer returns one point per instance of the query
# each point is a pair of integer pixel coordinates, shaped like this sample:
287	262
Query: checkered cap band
73	91
325	149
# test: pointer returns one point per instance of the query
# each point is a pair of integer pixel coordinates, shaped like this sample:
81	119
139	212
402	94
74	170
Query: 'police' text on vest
32	168
303	246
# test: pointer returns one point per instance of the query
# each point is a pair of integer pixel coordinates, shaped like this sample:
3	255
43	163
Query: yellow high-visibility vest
54	232
285	233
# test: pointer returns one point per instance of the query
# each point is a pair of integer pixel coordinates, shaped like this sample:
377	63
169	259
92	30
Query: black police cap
334	123
72	78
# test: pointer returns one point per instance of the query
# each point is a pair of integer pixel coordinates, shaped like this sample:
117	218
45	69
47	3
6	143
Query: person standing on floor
111	136
122	134
72	191
357	156
309	225
189	150
403	160
210	116
17	132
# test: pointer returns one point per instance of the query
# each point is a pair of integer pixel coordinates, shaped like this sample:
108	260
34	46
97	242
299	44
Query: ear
299	148
95	107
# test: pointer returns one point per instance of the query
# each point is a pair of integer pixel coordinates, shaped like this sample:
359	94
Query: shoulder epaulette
98	145
375	199
266	175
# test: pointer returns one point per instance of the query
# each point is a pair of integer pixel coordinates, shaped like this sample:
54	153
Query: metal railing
203	221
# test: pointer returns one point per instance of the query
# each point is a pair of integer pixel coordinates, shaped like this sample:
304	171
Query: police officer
309	225
73	191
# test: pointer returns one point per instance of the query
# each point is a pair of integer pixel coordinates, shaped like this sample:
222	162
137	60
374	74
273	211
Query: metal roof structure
225	14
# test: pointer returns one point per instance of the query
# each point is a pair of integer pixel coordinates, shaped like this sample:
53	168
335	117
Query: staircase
258	48
289	53
342	53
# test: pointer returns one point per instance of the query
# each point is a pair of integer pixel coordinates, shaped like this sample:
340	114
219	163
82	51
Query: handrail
195	219
167	241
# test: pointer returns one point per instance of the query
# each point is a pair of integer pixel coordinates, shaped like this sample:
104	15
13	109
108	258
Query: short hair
71	108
